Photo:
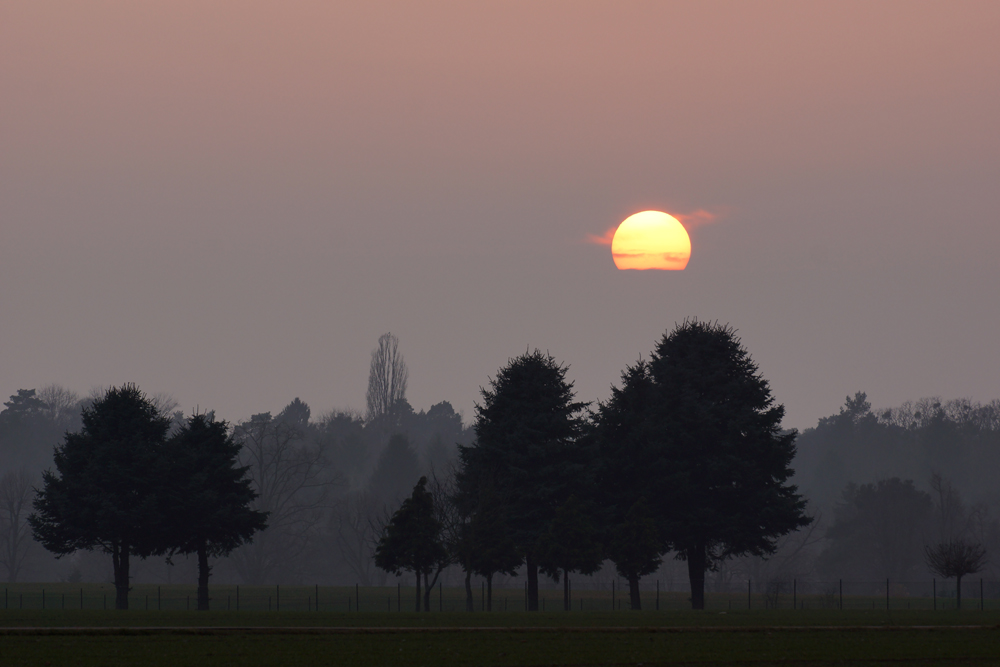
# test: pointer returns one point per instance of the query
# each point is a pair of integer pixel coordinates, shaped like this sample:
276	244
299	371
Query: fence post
158	598
81	599
399	596
934	594
795	598
526	596
277	597
657	595
317	597
748	595
441	595
43	598
612	595
982	605
887	595
237	597
357	596
841	595
482	596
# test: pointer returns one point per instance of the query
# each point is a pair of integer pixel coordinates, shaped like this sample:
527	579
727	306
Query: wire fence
584	596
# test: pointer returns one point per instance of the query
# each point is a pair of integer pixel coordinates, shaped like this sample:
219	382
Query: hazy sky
231	201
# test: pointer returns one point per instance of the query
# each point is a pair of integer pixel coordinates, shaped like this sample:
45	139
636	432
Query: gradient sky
231	201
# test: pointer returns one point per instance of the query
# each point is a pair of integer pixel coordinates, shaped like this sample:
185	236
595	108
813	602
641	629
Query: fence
585	596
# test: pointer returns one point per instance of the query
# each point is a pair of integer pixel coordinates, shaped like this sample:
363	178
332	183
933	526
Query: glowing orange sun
651	240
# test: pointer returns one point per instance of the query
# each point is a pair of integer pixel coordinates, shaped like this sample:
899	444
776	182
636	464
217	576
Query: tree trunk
565	590
428	589
489	592
958	592
696	575
119	559
418	589
469	604
532	568
204	571
633	591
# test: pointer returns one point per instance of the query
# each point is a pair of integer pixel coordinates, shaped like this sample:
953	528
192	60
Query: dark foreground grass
951	646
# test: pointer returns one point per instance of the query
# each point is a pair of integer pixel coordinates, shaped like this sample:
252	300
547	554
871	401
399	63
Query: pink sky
230	201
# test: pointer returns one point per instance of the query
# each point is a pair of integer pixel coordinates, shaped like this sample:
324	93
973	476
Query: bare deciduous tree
387	377
62	404
956	558
354	526
16	493
293	484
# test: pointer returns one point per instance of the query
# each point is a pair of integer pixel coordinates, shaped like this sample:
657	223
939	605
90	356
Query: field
811	636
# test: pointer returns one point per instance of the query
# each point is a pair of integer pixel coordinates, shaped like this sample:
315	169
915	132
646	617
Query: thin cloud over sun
603	239
693	220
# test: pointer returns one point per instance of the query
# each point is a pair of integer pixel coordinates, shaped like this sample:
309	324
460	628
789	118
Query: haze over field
230	202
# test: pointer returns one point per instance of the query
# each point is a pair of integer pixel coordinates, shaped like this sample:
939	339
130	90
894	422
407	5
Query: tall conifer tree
207	496
528	430
104	492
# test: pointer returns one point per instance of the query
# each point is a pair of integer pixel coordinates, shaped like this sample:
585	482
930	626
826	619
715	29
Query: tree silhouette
633	460
728	457
387	379
956	558
208	496
411	540
104	492
527	437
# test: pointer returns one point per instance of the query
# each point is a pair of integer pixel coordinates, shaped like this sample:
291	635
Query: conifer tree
528	431
412	540
207	500
725	491
105	490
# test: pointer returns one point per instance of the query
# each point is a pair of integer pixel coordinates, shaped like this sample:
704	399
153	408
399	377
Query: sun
651	240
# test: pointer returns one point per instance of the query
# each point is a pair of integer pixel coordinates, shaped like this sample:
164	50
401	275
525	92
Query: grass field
740	637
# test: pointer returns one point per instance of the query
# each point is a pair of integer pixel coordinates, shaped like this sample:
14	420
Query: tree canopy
729	460
207	495
104	491
528	430
411	540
